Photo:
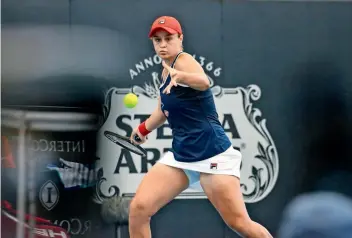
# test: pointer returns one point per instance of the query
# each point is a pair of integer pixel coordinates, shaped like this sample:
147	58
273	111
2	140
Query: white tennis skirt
227	163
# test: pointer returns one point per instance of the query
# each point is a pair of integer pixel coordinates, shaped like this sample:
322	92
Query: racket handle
136	138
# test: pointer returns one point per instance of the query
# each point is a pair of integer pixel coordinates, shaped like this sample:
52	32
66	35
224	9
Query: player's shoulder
185	61
184	56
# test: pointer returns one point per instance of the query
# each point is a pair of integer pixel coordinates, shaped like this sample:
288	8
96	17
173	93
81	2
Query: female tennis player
201	151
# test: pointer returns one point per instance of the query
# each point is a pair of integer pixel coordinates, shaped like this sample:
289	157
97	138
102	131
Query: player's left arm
191	73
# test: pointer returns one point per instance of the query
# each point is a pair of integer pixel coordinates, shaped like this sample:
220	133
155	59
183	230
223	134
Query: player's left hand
175	76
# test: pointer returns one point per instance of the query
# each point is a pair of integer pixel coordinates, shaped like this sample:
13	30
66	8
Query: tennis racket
125	142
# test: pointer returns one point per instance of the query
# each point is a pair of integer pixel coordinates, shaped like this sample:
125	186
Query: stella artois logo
121	171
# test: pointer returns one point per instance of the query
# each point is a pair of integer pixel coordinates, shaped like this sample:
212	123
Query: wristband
143	130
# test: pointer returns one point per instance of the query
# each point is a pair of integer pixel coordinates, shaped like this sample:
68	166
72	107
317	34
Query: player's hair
179	35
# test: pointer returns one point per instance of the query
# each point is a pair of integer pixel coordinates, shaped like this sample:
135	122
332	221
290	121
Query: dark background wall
298	53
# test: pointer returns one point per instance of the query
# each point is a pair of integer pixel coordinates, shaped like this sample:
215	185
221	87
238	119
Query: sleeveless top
196	130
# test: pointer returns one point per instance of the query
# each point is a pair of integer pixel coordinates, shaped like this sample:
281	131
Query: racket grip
136	138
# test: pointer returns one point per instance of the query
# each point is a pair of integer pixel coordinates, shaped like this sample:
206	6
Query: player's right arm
155	120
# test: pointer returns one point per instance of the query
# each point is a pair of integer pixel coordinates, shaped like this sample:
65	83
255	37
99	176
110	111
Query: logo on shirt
243	123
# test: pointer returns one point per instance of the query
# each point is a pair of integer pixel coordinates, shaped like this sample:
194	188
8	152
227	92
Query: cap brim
163	28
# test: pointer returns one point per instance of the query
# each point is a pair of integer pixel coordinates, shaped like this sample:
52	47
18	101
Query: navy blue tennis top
192	116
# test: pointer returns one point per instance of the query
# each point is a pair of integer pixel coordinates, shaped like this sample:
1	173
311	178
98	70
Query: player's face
167	45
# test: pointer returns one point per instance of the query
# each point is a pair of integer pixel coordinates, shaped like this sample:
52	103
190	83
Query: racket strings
125	143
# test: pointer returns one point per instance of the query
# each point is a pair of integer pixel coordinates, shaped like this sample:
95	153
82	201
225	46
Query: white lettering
78	224
52	146
217	72
148	62
74	226
140	67
157	59
202	59
209	66
68	145
59	146
45	148
42	232
35	145
49	233
53	234
83	147
67	227
133	73
76	147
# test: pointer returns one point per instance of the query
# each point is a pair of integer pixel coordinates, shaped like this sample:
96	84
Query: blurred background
66	65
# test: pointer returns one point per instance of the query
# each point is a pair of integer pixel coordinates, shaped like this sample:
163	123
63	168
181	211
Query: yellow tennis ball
130	100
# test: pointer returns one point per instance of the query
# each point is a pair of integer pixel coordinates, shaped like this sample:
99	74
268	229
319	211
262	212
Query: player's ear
181	40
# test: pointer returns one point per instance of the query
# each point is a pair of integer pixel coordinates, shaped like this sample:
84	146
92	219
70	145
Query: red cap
166	23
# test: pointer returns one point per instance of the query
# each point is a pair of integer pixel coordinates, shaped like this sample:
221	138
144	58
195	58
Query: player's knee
140	208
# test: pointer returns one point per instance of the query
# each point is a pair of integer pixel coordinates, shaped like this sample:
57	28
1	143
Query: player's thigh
159	186
224	192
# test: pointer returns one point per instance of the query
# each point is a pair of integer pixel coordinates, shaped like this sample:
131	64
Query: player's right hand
175	76
136	132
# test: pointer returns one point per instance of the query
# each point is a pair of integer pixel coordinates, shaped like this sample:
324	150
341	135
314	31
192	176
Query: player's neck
171	59
168	61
